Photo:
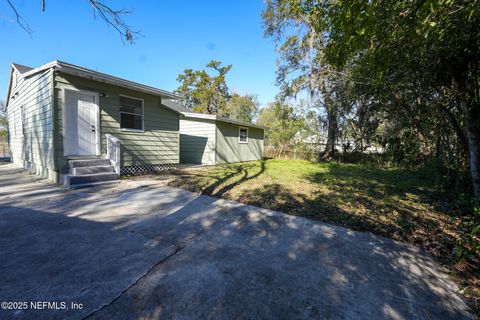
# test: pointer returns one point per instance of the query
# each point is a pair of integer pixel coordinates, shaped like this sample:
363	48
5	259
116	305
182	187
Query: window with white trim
131	113
242	135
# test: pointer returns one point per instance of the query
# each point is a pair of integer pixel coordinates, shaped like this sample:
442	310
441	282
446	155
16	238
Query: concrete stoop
88	173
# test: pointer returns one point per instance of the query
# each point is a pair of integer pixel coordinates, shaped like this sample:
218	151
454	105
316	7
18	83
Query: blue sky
177	35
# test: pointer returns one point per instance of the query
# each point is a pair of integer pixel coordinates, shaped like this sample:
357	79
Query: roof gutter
216	118
241	123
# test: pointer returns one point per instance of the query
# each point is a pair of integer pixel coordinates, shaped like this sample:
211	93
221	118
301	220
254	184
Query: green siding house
209	139
81	127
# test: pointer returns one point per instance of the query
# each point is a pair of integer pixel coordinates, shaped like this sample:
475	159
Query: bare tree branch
20	21
113	18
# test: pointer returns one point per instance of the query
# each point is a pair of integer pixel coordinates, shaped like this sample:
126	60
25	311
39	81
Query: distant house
79	126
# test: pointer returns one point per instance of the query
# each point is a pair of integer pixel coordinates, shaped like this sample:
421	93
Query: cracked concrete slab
144	250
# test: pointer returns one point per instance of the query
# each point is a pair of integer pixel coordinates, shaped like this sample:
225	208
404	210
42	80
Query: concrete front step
69	180
96	177
88	163
93	184
91	170
88	172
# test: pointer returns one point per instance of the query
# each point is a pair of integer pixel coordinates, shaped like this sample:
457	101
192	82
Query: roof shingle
21	68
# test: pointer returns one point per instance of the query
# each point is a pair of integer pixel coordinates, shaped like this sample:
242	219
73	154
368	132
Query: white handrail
113	151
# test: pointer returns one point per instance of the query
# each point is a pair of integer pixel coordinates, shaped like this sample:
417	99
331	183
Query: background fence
311	155
4	150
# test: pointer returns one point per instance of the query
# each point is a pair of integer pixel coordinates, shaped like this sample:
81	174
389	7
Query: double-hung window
243	135
131	113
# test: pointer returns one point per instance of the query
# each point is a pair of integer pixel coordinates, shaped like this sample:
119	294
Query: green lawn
396	203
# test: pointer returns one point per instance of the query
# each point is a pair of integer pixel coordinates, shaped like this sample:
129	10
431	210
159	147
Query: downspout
179	114
216	139
6	112
54	123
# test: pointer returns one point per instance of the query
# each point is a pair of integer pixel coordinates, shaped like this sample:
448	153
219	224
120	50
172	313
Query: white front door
81	131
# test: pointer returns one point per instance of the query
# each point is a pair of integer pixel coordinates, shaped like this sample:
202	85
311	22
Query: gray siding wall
197	141
158	144
31	132
230	150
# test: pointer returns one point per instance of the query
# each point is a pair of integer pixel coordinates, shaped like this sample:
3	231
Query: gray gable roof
175	104
75	70
21	68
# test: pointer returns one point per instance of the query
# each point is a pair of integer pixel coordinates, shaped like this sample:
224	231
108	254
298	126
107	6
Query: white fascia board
9	88
241	123
41	68
214	117
199	115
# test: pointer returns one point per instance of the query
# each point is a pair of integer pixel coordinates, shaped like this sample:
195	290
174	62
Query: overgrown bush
468	247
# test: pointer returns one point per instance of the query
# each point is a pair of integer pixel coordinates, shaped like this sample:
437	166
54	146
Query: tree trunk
458	129
329	151
470	98
472	118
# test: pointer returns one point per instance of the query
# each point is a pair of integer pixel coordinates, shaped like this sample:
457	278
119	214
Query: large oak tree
414	60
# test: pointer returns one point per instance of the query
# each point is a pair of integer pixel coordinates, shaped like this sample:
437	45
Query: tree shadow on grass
379	182
395	203
221	180
399	197
277	197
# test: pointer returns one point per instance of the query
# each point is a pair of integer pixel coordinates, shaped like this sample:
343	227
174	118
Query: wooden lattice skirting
147	168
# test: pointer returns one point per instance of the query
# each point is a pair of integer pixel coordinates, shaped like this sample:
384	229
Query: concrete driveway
141	250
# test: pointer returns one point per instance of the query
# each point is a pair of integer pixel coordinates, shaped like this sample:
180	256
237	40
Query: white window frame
143	114
239	129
